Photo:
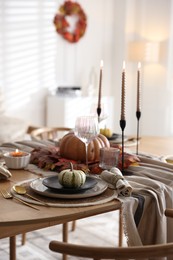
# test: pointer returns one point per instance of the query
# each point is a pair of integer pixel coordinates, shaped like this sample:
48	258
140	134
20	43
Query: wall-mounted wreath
70	8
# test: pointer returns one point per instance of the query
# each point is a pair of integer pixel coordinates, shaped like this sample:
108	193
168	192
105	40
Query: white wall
112	24
152	22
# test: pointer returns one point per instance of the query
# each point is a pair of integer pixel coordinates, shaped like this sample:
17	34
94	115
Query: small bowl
167	159
16	162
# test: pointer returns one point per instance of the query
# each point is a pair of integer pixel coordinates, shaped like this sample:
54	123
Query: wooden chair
49	133
135	252
169	213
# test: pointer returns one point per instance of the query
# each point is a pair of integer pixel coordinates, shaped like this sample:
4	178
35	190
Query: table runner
38	171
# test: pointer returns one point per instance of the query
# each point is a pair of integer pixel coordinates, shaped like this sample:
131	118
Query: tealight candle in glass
16	159
17	153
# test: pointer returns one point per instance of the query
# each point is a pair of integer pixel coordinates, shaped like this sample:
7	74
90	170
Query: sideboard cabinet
62	111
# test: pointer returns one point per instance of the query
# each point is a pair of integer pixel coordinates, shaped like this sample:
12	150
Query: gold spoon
22	191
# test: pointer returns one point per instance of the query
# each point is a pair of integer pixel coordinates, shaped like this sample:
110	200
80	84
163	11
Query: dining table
16	218
155	145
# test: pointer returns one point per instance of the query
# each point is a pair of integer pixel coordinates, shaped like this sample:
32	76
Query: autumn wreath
70	8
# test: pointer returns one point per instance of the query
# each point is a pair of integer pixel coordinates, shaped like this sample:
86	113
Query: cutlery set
8	195
21	191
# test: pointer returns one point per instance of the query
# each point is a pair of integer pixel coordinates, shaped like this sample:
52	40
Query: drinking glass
109	157
86	129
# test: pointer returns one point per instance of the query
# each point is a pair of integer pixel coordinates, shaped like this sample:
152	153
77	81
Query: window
27	48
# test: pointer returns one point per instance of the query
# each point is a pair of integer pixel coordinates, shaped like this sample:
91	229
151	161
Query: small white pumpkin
72	178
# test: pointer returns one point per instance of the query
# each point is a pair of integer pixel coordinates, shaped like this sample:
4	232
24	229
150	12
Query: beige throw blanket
152	181
156	186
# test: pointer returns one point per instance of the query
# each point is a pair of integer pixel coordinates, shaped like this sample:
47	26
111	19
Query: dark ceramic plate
117	137
114	136
53	184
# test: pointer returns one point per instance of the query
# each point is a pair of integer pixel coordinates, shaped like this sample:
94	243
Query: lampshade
144	51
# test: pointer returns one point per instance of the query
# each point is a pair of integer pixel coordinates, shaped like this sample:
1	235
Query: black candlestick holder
138	115
99	113
122	125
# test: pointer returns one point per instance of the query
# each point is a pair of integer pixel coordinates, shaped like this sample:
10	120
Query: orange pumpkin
73	148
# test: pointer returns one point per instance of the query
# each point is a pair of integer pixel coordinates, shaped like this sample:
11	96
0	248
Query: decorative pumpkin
71	178
73	148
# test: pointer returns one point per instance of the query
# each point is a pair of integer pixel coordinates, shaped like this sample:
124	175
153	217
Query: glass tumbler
108	157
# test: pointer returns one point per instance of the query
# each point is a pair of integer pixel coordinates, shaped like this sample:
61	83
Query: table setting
148	189
94	196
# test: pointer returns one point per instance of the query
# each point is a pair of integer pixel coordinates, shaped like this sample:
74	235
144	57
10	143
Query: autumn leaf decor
49	159
70	8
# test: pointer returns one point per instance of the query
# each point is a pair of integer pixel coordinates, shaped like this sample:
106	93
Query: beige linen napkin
116	181
4	172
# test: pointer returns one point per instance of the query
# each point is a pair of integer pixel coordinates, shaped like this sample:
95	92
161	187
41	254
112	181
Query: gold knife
27	204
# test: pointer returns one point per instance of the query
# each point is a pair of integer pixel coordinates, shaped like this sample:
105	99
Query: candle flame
101	64
139	65
17	150
124	65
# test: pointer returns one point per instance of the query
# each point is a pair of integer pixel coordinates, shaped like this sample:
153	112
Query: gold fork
8	195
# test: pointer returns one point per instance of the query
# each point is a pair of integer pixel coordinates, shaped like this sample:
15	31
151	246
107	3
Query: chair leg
73	225
12	248
23	238
120	228
65	237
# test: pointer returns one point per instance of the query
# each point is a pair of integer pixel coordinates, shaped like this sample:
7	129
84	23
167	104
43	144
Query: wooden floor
98	230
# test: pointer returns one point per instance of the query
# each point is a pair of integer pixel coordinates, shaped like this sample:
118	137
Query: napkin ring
117	178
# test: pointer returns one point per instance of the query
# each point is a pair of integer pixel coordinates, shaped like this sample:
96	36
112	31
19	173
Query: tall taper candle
100	90
139	88
122	119
123	93
100	83
138	105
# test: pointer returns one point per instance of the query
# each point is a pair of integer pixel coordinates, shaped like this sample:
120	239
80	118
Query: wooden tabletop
160	146
16	218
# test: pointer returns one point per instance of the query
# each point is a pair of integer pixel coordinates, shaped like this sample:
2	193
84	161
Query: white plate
38	187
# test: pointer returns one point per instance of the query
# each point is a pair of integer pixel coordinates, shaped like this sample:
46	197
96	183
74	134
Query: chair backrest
169	213
49	133
137	252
